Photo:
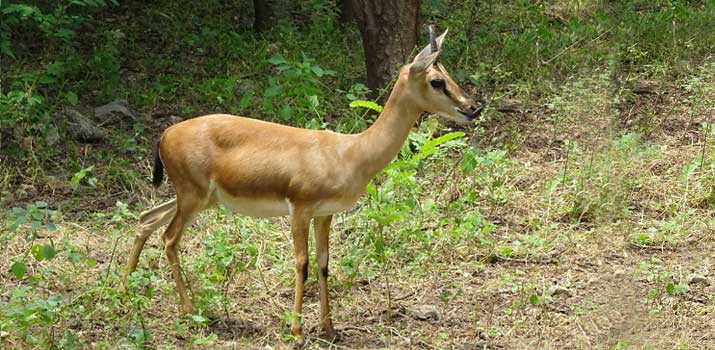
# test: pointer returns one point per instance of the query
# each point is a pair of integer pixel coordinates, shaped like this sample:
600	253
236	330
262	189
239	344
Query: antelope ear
422	63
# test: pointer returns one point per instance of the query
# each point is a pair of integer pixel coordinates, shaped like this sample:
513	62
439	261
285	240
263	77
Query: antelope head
437	92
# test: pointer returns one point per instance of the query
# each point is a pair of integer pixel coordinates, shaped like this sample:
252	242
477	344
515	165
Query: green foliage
487	174
596	185
366	104
81	175
525	48
23	311
29	90
295	93
661	284
396	196
106	62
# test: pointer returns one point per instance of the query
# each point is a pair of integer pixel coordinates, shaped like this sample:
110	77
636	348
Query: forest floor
593	230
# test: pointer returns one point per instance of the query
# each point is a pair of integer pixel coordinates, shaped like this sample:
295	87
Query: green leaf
35	224
56	68
24	10
507	251
286	112
72	98
206	341
245	100
5	47
670	288
277	59
251	250
274	90
444	139
49	251
18	269
37	252
90	262
534	299
317	70
47	80
15	225
64	33
69	341
469	162
50	226
199	319
366	104
41	204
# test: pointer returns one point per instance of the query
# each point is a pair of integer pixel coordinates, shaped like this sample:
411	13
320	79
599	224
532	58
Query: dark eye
437	83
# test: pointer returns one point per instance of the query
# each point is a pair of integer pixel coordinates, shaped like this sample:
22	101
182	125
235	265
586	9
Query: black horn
432	40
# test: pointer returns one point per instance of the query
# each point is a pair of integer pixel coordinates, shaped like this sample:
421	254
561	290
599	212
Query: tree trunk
346	12
262	11
389	30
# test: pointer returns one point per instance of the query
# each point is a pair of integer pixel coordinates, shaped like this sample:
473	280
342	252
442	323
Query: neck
382	141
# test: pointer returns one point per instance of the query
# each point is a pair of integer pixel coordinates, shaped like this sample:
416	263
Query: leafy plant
82	175
487	174
295	93
36	216
23	100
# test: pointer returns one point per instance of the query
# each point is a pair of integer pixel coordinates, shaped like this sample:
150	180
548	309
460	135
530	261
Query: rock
53	136
645	87
695	278
25	191
113	111
82	128
6	197
559	290
424	312
174	119
511	106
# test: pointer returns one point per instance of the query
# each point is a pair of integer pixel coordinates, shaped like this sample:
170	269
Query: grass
577	222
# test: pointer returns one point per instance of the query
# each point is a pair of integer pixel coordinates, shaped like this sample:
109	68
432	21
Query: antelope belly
256	207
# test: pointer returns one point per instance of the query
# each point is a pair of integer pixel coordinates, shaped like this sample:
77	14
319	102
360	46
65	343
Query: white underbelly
271	207
256	207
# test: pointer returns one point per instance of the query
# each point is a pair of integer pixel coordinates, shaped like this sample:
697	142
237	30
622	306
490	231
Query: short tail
158	168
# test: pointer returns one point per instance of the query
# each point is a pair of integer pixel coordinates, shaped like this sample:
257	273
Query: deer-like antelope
263	169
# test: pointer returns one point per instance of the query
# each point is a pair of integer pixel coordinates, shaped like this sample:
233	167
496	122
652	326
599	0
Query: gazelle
263	169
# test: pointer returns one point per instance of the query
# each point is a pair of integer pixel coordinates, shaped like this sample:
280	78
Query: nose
474	112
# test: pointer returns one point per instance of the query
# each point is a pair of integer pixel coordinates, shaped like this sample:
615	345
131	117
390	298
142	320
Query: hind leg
149	221
186	211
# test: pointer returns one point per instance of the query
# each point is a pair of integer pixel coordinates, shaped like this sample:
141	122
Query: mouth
471	115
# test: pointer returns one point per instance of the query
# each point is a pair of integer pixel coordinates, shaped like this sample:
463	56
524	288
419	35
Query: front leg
299	226
322	235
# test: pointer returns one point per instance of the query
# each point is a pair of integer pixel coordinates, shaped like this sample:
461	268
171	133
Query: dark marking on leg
304	269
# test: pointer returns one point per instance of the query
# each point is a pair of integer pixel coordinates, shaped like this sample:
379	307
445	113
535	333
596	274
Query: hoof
189	309
330	335
299	342
297	332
